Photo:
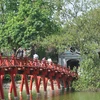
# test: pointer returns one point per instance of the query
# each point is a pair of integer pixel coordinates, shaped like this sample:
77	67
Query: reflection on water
59	95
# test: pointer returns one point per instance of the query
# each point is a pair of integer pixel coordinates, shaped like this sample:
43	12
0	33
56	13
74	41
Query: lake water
58	95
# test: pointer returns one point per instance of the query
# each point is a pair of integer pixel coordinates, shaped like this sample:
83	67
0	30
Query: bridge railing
29	62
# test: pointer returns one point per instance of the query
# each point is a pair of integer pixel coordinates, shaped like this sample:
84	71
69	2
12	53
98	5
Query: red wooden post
21	85
45	80
58	83
36	83
44	84
39	81
2	77
13	60
1	89
26	84
52	86
13	85
0	60
31	81
10	88
21	62
25	61
6	62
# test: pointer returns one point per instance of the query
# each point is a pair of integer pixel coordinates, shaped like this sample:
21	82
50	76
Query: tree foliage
26	22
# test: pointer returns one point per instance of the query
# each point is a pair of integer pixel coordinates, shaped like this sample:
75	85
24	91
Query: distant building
69	59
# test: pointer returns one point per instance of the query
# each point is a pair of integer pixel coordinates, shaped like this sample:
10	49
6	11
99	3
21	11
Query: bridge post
26	84
39	81
52	86
58	83
2	77
45	80
1	88
13	60
22	83
37	84
0	60
13	85
31	81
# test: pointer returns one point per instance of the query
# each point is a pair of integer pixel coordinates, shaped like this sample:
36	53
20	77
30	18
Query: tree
69	9
31	20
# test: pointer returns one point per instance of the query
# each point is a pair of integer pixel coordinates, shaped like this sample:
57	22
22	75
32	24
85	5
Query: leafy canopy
31	19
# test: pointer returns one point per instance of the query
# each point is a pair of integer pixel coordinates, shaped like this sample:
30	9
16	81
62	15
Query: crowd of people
36	57
21	53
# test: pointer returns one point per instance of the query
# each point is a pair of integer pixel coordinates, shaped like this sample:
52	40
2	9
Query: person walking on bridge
19	53
35	56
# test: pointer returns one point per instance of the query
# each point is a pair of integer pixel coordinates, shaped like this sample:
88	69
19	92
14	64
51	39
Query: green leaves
30	20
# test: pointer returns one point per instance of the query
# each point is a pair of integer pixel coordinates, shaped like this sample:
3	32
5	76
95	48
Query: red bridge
35	69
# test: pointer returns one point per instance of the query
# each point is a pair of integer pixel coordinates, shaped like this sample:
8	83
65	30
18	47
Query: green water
58	95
